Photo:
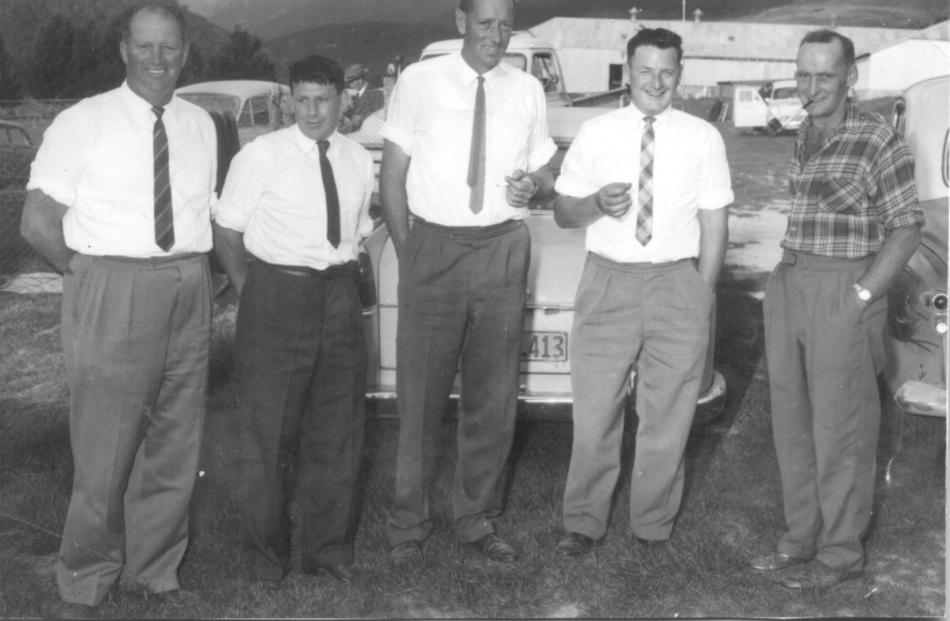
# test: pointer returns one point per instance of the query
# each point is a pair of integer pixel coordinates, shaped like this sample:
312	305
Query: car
557	260
258	106
16	154
915	339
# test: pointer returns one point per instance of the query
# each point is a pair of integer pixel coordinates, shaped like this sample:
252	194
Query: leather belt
334	271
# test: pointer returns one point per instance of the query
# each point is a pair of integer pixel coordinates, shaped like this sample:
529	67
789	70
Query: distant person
651	185
853	223
462	133
362	100
119	202
294	209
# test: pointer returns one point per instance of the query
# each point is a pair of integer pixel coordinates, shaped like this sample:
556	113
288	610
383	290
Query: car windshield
214	102
784	93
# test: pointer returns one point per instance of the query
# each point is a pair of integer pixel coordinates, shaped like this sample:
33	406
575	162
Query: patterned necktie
476	156
645	215
164	218
329	190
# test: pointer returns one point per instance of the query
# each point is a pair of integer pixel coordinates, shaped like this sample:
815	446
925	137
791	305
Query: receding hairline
169	10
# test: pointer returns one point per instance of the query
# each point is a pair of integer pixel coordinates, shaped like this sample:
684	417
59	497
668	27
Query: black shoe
775	562
495	548
406	553
72	610
818	577
574	544
342	573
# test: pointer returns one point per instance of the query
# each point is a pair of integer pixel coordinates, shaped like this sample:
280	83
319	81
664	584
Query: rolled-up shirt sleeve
58	165
246	180
716	191
400	115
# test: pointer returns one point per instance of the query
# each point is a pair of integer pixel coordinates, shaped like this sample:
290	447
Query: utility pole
684	11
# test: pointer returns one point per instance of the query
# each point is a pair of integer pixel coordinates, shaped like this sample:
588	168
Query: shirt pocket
841	194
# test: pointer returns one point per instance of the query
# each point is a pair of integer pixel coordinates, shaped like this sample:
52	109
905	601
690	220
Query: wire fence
22	124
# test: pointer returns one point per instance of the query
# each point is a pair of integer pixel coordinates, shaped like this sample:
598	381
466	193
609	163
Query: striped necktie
645	215
329	190
164	218
476	156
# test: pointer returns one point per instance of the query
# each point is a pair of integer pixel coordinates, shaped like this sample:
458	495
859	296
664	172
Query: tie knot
323	145
158	110
649	119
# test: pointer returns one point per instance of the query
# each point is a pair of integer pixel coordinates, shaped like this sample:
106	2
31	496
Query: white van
772	107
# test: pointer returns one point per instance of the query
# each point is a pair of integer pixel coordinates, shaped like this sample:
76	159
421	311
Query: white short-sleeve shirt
430	117
690	172
97	159
274	195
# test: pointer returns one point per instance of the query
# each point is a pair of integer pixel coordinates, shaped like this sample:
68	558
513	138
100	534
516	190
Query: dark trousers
135	341
824	351
461	302
300	357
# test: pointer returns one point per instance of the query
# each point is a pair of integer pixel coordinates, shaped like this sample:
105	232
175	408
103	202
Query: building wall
713	51
890	70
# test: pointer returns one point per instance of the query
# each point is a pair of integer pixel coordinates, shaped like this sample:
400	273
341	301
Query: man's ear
460	21
852	75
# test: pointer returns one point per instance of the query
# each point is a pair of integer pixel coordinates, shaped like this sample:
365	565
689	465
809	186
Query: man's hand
614	199
521	188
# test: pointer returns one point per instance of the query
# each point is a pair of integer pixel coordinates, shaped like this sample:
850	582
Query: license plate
545	346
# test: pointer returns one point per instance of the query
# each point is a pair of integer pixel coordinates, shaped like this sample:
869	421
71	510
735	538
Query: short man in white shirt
462	268
288	226
119	201
651	184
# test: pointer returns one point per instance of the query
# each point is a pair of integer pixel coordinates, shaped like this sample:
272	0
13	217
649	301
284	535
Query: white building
593	51
890	69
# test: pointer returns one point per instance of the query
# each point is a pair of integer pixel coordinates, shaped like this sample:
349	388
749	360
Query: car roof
239	88
519	40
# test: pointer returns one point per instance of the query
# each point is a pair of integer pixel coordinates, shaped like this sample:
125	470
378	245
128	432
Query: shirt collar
306	143
142	108
467	74
661	118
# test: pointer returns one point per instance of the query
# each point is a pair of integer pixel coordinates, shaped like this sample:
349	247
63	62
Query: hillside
377	40
22	20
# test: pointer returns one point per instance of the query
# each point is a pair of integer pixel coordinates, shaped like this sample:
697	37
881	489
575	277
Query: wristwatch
863	294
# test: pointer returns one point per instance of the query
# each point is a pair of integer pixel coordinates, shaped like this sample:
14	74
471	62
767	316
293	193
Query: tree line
74	60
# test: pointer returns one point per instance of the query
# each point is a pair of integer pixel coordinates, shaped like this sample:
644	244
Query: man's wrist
863	294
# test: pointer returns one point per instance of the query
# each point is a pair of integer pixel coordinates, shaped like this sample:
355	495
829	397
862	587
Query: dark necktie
645	215
164	218
329	190
476	156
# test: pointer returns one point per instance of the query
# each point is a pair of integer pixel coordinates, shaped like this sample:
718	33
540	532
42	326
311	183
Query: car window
257	109
542	67
784	93
214	102
516	60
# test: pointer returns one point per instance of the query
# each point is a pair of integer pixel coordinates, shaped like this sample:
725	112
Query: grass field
731	507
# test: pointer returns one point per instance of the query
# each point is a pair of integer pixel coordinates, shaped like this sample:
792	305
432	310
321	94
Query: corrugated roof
709	39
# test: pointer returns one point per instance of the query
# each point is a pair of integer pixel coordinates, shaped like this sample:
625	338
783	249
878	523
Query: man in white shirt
294	208
463	268
651	185
119	201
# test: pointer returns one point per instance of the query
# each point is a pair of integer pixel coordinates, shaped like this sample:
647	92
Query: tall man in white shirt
119	201
462	268
293	210
651	185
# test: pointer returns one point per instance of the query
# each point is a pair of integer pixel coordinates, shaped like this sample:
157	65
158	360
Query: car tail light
367	283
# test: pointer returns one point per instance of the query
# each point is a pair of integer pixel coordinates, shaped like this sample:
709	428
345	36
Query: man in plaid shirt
853	224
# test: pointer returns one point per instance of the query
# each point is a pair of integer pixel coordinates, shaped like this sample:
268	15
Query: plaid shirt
855	188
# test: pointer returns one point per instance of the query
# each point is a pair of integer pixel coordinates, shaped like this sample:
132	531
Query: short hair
317	69
826	35
657	37
169	7
466	5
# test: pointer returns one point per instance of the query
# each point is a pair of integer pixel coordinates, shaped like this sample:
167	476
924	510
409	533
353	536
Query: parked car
16	155
916	335
258	106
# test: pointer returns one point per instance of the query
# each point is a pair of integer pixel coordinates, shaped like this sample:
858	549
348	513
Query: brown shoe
818	577
775	562
495	548
574	544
